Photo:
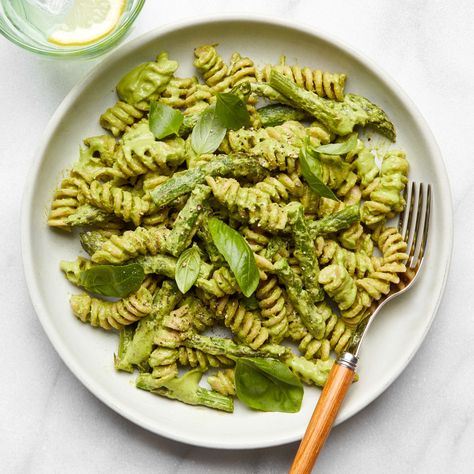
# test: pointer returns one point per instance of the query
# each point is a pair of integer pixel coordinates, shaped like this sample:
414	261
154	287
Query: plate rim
97	70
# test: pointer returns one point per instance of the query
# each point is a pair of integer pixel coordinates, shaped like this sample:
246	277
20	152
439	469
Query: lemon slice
88	21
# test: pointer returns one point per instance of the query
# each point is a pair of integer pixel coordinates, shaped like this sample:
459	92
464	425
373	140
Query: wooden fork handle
335	389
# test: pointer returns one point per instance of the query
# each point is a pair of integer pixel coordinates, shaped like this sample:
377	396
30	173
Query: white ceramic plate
88	352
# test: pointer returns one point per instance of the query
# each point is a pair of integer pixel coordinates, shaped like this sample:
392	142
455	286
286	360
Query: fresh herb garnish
208	132
187	269
267	385
163	120
113	280
231	111
237	254
311	170
339	148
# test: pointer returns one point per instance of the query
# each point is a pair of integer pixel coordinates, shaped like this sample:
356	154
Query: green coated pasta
339	285
250	204
117	201
223	382
141	241
110	315
250	189
140	153
385	197
243	323
119	117
272	304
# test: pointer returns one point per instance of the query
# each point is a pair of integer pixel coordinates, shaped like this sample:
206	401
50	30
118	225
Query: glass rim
87	50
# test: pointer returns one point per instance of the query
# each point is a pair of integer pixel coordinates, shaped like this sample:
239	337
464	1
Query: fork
413	226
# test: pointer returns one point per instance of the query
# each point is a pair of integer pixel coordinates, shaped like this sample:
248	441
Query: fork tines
414	221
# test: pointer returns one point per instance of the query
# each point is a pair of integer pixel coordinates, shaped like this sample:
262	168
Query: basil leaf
267	385
163	120
237	254
339	148
187	269
231	111
208	132
311	170
113	280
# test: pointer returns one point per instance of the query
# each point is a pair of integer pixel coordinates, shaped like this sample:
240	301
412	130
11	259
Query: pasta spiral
152	180
276	146
378	283
141	241
245	324
119	117
115	200
385	195
66	199
221	283
185	356
114	315
212	67
191	357
176	91
336	336
271	301
199	95
163	364
339	285
311	372
250	204
241	69
257	239
393	248
102	148
358	311
356	263
281	187
324	84
72	270
140	153
367	170
223	382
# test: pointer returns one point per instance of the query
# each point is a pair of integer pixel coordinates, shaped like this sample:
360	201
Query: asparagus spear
223	165
92	240
276	114
186	223
159	264
305	251
88	215
138	350
222	346
186	389
205	235
300	299
263	89
334	222
339	117
126	337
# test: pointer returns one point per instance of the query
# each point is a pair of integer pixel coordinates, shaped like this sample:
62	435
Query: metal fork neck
348	360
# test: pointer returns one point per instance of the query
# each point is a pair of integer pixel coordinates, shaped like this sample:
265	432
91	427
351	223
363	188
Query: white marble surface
423	423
